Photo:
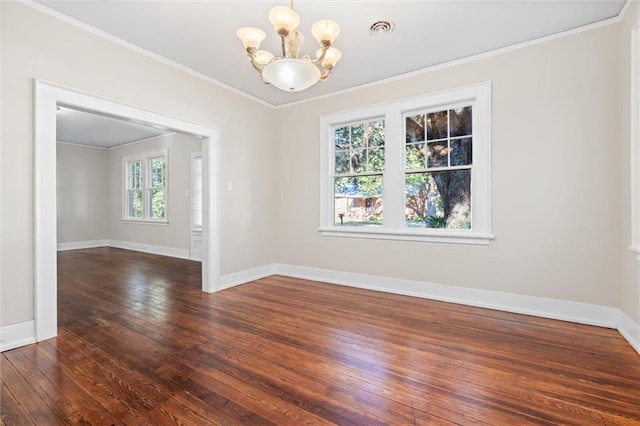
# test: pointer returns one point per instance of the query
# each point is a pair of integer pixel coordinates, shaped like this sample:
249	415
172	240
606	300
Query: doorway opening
47	97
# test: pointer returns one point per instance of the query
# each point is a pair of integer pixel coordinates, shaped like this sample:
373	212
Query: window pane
134	173
357	135
437	154
157	170
461	152
134	198
358	161
341	138
438	199
376	134
415	156
415	128
375	160
437	125
342	162
358	201
157	203
460	121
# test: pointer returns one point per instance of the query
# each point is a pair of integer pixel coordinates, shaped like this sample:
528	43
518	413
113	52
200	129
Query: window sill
145	222
451	237
636	250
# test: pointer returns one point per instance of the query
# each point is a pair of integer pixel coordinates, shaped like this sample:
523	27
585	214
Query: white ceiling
90	128
200	34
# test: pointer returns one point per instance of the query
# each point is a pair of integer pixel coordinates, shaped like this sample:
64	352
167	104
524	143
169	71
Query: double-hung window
145	187
417	169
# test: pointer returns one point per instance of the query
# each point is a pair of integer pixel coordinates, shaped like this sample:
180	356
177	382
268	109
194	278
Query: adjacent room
309	212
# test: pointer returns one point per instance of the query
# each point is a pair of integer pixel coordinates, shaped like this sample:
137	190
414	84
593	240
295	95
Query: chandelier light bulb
325	31
263	57
251	37
284	19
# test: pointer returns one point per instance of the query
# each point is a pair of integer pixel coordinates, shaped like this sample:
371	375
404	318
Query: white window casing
393	224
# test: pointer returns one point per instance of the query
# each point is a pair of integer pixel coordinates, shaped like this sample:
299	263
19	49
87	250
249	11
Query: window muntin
145	188
358	173
466	161
438	163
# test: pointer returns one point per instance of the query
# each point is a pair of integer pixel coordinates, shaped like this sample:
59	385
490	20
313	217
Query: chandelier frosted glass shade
290	72
292	75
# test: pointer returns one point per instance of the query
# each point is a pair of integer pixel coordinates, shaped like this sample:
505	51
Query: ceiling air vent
381	28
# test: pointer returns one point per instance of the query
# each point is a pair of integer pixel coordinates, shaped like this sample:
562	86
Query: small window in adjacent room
196	191
417	169
145	188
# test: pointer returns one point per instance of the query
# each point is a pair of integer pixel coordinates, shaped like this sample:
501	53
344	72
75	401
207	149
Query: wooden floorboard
139	344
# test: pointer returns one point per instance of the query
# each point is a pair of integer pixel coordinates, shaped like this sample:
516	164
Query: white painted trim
78	245
584	313
127	245
453	237
46	96
117	40
623	12
246	276
16	335
141	141
81	145
150	248
629	330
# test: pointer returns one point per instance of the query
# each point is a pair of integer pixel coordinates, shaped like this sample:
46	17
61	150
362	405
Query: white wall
176	233
555	177
38	46
82	193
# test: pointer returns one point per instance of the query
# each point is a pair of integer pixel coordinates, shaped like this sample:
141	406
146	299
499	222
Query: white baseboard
149	248
584	313
77	245
127	245
243	277
629	330
16	335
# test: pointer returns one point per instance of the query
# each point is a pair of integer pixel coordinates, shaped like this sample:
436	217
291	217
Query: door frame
47	96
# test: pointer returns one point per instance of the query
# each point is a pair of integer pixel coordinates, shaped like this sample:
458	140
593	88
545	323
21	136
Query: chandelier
291	72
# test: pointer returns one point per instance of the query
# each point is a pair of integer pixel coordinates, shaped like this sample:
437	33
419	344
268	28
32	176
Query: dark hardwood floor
139	344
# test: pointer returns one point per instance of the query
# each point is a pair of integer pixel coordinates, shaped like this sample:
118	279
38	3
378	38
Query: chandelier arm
251	52
327	71
283	45
319	59
325	45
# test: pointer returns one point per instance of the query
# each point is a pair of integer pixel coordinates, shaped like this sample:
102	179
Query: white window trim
144	158
393	227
